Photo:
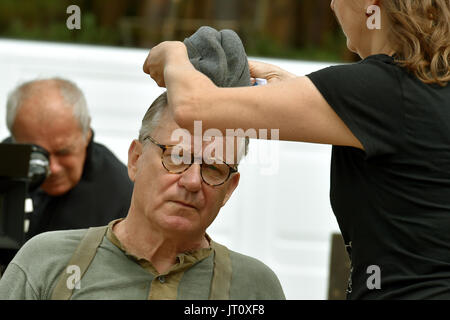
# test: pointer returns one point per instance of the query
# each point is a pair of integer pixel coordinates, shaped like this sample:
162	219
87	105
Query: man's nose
55	166
191	179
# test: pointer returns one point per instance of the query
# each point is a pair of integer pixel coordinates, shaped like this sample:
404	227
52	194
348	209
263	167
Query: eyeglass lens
177	160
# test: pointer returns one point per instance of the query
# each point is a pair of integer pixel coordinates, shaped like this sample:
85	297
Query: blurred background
280	212
292	29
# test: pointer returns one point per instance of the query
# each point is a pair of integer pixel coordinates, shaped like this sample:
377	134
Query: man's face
181	204
45	119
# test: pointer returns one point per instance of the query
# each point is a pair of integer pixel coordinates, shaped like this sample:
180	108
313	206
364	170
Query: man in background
88	186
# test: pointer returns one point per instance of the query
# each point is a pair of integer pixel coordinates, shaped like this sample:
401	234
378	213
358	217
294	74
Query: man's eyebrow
65	148
62	151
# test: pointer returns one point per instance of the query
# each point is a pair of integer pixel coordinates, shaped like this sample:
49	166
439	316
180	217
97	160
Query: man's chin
179	224
55	189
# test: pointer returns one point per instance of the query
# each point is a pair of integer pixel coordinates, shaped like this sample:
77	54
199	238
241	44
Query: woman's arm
268	71
294	105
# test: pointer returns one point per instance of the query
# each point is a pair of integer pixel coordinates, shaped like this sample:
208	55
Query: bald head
52	113
46	100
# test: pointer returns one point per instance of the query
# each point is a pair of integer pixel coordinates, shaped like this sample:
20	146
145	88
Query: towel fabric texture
220	55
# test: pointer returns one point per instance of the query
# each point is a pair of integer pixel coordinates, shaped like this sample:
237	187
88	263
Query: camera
23	168
39	167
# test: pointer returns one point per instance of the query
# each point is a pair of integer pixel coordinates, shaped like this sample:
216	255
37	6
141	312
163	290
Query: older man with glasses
161	249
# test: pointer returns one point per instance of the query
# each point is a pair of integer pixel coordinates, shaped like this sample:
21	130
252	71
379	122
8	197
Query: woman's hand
160	56
268	71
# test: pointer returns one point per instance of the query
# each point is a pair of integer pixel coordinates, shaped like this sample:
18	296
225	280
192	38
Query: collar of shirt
89	162
183	261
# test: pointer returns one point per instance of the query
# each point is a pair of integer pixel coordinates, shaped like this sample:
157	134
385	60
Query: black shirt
102	195
391	201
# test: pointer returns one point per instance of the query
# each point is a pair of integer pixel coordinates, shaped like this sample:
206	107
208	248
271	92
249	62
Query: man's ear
232	184
88	136
134	152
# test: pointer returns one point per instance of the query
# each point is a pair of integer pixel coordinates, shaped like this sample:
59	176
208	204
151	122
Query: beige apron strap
82	258
221	279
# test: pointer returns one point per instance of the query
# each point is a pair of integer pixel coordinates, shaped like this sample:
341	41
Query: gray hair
153	115
70	92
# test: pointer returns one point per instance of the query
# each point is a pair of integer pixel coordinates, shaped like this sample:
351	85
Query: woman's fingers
258	69
159	56
265	71
270	72
154	66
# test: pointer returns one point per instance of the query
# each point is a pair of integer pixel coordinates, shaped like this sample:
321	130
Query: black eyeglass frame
164	147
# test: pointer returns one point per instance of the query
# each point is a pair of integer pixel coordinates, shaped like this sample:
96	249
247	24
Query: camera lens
39	168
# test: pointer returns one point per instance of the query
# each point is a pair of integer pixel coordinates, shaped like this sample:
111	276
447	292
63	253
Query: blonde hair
420	36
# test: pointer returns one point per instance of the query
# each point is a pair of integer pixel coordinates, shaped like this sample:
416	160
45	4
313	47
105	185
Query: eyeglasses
177	160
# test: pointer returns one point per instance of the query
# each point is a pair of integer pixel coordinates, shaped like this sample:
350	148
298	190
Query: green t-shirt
113	274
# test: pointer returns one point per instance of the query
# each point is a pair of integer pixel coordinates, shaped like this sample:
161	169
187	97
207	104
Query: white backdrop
280	212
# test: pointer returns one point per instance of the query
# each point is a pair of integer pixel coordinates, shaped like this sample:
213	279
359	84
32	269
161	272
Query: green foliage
46	20
332	50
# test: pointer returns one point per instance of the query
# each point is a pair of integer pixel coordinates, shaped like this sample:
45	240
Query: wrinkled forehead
207	143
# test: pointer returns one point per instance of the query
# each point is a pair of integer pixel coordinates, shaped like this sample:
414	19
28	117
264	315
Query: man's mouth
185	204
52	180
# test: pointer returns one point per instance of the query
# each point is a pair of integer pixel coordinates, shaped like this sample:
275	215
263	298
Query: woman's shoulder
376	77
374	67
379	58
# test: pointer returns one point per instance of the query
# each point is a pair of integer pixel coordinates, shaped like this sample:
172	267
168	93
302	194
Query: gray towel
220	55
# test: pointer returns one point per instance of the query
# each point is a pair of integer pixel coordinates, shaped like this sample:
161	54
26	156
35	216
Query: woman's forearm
294	106
189	91
193	96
